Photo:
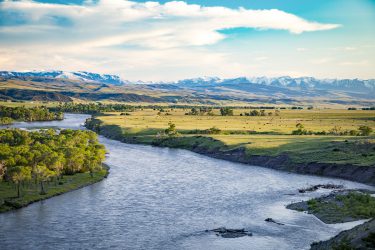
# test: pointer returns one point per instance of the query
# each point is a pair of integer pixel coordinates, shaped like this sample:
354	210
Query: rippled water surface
159	198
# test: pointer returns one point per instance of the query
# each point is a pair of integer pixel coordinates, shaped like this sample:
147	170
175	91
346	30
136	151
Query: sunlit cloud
128	38
150	24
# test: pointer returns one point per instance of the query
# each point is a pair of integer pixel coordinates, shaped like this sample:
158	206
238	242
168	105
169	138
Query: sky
172	40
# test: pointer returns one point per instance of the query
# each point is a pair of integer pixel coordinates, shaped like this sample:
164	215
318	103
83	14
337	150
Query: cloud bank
109	29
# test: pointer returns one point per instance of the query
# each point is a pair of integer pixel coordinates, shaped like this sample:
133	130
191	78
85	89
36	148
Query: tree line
37	157
336	130
92	108
9	114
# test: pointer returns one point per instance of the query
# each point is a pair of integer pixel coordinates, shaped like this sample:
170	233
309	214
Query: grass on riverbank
267	136
31	193
343	206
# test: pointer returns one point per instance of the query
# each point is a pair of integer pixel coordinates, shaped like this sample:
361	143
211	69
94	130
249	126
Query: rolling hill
65	86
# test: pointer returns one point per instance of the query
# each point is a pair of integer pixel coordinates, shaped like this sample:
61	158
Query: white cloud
117	36
150	24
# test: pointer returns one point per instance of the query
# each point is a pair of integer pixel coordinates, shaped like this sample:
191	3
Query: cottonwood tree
18	175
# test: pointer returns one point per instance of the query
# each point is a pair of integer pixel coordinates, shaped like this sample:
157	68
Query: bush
365	130
214	131
226	111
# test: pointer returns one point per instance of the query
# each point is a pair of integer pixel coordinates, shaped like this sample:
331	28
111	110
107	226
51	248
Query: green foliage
255	112
6	121
226	111
365	130
351	205
358	204
171	130
28	114
92	108
214	131
47	155
300	130
31	191
336	130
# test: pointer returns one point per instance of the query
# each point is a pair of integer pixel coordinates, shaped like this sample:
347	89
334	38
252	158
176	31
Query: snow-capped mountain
76	76
240	83
304	83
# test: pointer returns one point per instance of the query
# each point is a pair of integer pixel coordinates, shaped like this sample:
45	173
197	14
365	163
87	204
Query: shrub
365	130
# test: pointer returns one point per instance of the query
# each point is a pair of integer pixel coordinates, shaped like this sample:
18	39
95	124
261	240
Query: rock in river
273	221
230	233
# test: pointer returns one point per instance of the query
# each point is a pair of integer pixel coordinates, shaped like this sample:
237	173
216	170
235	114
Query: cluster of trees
262	112
6	121
354	108
38	157
92	108
200	111
8	114
336	130
226	111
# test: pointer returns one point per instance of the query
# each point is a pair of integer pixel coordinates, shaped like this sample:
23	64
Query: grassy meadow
269	135
147	120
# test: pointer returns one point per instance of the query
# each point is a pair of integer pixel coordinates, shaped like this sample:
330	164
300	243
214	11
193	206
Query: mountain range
274	90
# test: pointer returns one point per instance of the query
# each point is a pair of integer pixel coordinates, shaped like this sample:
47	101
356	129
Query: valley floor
264	141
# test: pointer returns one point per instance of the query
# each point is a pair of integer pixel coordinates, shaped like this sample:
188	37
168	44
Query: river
160	198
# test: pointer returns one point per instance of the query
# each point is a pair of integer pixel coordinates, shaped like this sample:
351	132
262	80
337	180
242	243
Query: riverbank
339	206
8	192
285	160
359	237
343	206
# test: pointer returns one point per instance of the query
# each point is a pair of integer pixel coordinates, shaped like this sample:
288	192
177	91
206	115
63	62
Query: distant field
357	150
145	121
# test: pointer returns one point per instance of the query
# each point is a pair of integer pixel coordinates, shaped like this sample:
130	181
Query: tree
43	174
94	157
300	126
6	120
2	169
19	174
300	130
214	130
171	130
336	130
254	113
57	163
47	154
194	111
365	130
226	111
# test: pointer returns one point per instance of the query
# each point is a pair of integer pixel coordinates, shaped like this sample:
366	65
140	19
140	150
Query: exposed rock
273	221
316	187
230	233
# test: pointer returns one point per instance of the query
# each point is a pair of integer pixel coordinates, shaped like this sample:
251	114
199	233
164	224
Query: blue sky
173	40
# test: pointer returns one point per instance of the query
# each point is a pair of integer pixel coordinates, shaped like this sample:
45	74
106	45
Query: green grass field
143	121
276	138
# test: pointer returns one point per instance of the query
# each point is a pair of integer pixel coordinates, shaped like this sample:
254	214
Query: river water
159	198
